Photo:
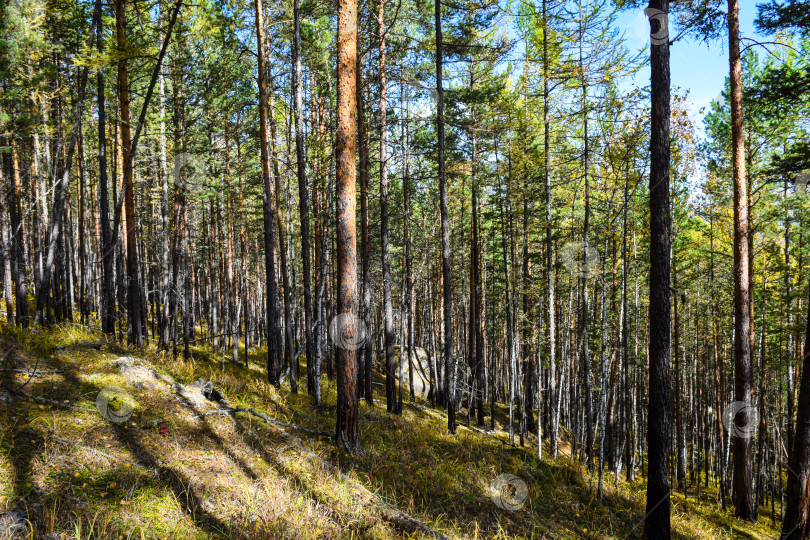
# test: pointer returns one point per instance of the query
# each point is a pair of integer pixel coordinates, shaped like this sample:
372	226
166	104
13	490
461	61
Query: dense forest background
532	229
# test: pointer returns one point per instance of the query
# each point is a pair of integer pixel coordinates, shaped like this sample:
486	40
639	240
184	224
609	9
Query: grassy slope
222	477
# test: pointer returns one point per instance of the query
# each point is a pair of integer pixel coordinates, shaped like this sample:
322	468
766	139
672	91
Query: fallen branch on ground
263	417
35	372
119	460
103	454
48	401
83	345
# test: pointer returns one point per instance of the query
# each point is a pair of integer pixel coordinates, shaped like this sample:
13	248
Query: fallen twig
103	454
110	456
35	372
82	345
48	401
263	417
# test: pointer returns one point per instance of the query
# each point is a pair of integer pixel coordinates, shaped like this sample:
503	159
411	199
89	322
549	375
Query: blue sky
699	67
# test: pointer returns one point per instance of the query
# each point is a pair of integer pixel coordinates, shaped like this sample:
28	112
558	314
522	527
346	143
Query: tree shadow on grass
205	428
26	440
20	441
176	481
274	460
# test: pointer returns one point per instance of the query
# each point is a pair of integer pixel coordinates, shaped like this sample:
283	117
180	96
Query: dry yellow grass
80	476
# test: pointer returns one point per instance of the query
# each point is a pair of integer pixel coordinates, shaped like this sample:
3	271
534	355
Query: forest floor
67	472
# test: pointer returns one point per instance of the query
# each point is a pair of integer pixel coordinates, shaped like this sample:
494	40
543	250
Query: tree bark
55	233
135	334
6	241
657	520
347	402
796	522
388	309
450	394
282	246
743	391
17	243
303	198
365	241
273	331
552	306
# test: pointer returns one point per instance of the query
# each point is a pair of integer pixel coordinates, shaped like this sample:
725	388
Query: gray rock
13	524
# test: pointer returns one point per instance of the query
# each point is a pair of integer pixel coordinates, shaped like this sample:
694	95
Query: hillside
172	471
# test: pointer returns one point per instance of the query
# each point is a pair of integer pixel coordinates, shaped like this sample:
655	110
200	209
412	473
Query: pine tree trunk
388	309
303	198
657	520
475	337
796	522
365	241
273	331
135	334
347	402
552	305
743	391
450	384
52	262
6	248
282	246
17	233
406	195
628	410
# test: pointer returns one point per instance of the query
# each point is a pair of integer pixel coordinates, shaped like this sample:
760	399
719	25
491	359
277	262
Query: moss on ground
80	476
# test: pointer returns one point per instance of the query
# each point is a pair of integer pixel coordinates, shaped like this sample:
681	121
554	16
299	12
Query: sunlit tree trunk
743	391
388	309
552	306
303	198
347	401
135	336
